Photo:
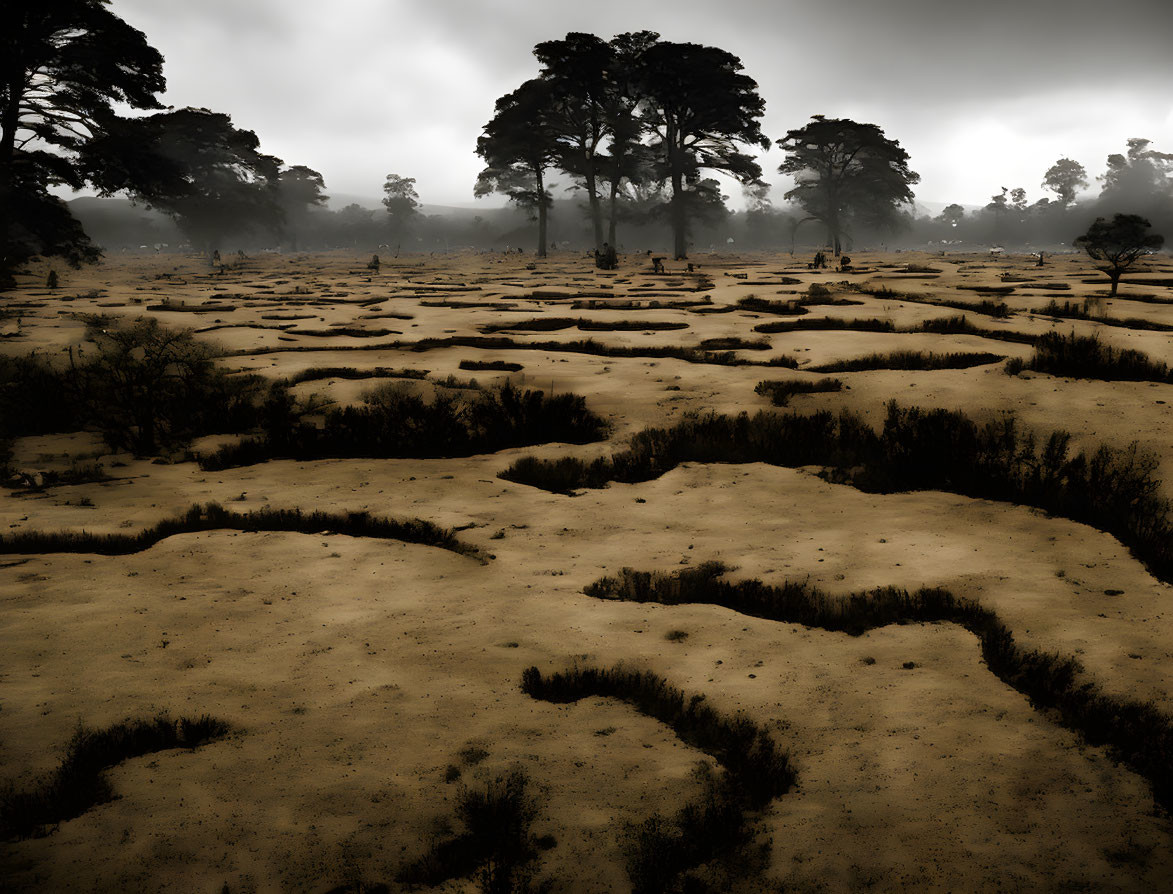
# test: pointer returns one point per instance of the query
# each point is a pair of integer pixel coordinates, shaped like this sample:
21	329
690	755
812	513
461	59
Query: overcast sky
981	95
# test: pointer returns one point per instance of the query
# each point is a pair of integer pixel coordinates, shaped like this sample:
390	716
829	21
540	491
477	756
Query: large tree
194	165
519	150
700	111
1065	178
846	172
1118	243
64	64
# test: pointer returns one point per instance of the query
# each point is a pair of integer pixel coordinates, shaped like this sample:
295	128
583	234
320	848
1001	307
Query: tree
401	201
576	70
64	64
846	172
1064	178
1117	244
951	215
194	165
299	191
519	148
698	109
1140	176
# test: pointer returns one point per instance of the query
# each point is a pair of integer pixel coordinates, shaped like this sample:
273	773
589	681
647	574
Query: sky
981	95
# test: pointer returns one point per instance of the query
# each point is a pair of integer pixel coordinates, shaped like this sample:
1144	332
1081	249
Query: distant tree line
638	126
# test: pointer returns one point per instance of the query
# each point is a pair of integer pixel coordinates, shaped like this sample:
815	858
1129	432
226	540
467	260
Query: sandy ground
355	672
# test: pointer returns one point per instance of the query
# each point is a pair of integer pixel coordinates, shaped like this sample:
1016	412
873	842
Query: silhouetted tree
402	203
63	66
519	148
1064	178
1140	175
300	190
951	215
209	176
577	71
846	171
699	109
1118	244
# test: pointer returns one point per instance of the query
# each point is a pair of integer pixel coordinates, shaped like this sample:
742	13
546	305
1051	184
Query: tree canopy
402	203
519	148
846	172
64	65
1064	178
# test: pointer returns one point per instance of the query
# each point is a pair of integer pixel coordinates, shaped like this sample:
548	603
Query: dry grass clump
1139	732
921	360
1086	357
80	783
495	845
393	422
717	825
1073	310
780	392
315	373
213	517
1111	489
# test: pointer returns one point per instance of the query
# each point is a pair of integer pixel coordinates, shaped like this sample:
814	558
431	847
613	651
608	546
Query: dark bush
495	844
781	392
1084	357
394	422
909	360
79	783
1139	732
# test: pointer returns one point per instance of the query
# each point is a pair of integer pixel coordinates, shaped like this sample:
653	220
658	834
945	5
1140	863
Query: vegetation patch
495	843
780	392
80	783
213	517
1114	490
315	373
1138	732
909	360
1086	357
393	422
1075	311
716	826
490	365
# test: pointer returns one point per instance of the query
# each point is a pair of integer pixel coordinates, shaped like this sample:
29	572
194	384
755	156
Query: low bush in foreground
716	826
213	517
79	783
495	843
1112	489
1139	732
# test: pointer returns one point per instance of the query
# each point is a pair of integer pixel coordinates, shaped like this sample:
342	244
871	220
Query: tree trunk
9	120
614	213
1114	275
596	211
679	218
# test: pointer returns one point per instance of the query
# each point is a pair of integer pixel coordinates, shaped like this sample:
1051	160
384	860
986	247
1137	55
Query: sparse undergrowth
1112	489
780	392
1075	311
79	783
716	826
1139	732
212	517
909	360
495	844
393	422
1086	357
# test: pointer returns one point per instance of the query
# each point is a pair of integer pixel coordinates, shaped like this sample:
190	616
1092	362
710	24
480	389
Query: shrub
1113	490
1087	357
756	770
79	783
395	422
1140	733
909	360
781	392
495	845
